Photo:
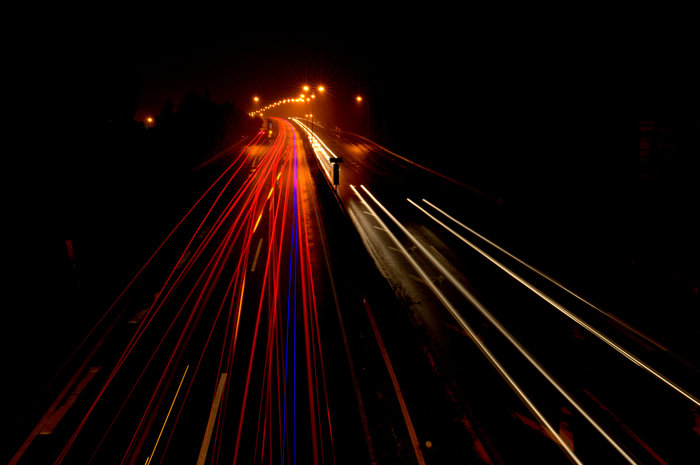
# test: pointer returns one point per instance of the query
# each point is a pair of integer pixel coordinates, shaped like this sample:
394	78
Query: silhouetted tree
167	115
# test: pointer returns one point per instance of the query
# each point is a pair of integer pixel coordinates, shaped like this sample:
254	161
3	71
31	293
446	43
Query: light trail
285	339
209	291
628	355
145	322
319	148
205	292
138	274
499	326
474	337
553	281
150	457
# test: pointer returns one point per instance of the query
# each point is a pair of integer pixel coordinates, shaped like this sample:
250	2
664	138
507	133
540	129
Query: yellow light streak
258	221
148	460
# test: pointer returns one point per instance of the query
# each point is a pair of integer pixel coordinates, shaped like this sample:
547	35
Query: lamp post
256	105
320	89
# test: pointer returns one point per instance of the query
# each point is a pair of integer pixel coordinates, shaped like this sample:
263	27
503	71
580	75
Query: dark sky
78	59
233	60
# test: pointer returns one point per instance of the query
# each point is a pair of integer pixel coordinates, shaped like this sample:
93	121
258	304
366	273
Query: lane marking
60	412
257	252
212	418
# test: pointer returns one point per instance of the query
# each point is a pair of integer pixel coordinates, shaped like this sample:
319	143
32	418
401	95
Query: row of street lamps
308	96
302	98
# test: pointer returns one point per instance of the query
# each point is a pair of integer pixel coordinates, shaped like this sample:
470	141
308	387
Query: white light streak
497	324
319	148
553	281
472	335
567	312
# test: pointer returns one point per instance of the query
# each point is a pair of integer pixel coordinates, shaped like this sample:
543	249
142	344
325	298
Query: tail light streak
291	351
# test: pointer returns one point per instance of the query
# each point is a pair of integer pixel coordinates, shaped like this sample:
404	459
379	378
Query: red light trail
248	336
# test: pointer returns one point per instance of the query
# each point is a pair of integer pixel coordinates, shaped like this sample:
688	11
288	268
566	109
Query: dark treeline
129	182
130	161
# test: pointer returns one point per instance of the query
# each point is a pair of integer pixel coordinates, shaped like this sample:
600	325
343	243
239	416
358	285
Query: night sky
426	61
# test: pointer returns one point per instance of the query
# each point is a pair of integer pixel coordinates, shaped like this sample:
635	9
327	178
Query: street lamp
320	89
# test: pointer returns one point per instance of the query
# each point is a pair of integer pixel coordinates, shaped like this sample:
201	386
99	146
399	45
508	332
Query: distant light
358	98
306	88
321	88
256	98
149	120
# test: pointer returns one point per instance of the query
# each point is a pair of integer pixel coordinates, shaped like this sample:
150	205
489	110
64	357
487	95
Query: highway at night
388	319
249	235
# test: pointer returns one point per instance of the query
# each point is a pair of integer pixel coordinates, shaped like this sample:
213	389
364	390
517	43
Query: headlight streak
569	314
497	324
319	148
473	336
554	281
